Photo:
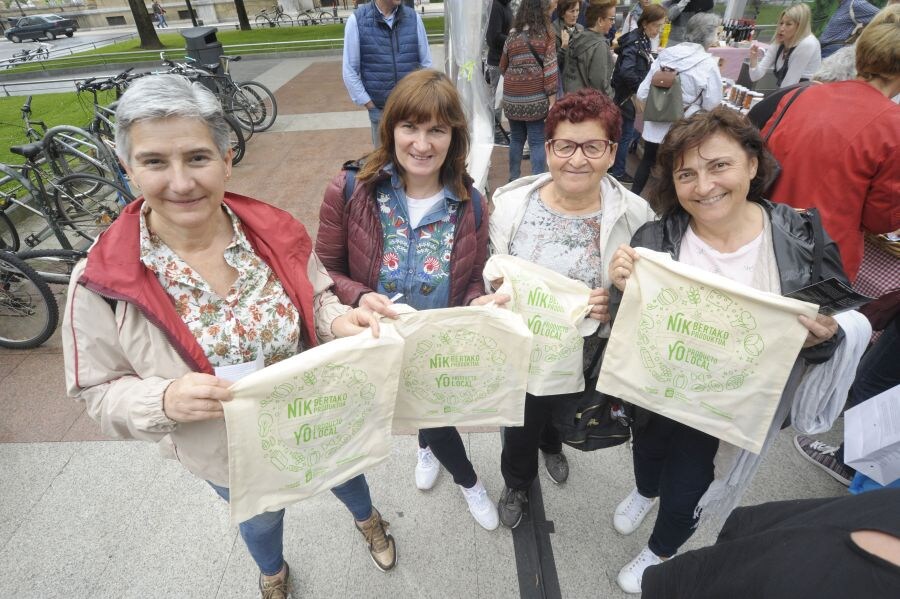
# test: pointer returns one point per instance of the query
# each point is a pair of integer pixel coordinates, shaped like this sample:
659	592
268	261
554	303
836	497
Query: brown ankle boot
381	543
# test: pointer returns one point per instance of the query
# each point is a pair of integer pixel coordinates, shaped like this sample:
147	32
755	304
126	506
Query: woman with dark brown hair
410	224
712	170
530	77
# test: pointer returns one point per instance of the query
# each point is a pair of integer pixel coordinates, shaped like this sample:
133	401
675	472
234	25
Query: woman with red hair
569	220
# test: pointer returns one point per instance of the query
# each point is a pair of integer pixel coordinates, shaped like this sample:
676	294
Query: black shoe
511	506
625	179
501	140
557	466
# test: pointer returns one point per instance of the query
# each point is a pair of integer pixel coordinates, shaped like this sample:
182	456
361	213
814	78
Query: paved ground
83	517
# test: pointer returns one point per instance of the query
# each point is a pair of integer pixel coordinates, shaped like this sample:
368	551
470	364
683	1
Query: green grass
130	51
54	109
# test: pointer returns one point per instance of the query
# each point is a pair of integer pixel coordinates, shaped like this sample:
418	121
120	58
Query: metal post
191	12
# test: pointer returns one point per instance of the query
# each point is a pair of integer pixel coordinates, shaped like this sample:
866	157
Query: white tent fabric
466	24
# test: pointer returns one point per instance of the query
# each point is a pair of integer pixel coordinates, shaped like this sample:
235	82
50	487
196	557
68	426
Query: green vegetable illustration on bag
304	422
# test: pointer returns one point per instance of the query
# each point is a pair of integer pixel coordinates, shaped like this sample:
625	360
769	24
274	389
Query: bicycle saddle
29	151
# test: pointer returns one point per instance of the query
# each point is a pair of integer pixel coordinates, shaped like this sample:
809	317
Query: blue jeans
534	130
264	534
375	122
628	134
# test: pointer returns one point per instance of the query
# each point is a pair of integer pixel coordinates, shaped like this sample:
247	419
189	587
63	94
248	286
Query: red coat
351	241
838	149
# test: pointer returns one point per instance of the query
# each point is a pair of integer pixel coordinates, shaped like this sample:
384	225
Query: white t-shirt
738	265
419	208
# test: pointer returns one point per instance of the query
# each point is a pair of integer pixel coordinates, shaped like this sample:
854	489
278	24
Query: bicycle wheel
303	19
9	237
262	21
238	108
238	144
28	310
87	205
284	21
53	266
325	17
71	150
264	108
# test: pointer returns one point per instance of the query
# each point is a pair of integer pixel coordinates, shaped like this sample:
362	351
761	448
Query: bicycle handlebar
26	108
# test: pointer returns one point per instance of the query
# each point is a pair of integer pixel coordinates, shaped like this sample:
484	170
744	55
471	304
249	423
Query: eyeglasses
593	148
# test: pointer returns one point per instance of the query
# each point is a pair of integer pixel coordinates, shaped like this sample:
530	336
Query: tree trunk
144	23
243	19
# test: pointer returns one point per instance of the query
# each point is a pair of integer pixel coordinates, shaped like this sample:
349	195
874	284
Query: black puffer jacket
498	27
632	66
793	240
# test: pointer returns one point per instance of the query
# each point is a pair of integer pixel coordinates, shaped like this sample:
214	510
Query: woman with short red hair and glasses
569	220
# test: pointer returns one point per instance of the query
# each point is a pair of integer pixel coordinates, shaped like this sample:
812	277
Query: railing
114	59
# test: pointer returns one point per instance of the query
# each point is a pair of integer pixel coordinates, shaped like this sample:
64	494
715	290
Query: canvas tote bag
462	367
553	307
311	422
703	350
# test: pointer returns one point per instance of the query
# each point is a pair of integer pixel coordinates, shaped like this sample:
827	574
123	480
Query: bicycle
42	52
313	17
237	97
28	310
53	266
75	207
69	150
278	19
238	141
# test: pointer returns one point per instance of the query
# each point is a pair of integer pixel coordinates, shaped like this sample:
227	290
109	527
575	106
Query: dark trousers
643	169
879	370
519	460
448	448
675	463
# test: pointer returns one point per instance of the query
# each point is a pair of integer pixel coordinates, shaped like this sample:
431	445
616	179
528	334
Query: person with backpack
590	60
697	74
407	222
633	64
530	75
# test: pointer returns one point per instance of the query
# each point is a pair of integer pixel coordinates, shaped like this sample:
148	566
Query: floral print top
256	313
416	262
568	245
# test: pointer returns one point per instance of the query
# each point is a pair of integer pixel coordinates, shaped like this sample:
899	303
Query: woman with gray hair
189	281
701	84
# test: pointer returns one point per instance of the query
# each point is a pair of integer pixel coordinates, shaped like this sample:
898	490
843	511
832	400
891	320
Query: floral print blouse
416	262
256	313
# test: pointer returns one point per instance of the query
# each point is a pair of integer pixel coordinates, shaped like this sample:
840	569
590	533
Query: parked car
41	26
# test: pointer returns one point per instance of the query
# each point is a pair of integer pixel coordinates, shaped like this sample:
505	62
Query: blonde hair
878	48
799	14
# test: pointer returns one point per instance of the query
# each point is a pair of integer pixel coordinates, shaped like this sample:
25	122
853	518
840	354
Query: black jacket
793	240
632	66
498	28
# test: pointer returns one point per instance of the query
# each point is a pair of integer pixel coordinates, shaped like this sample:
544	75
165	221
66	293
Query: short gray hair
169	96
840	66
702	29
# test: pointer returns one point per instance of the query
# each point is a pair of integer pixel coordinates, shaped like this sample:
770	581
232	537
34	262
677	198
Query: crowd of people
191	278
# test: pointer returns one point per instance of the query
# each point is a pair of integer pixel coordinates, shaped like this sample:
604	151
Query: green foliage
54	109
174	44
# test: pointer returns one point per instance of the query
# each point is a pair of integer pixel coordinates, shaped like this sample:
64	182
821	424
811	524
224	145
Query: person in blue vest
383	42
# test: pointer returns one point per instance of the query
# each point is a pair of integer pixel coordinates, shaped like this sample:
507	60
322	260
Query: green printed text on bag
462	367
703	350
553	307
311	422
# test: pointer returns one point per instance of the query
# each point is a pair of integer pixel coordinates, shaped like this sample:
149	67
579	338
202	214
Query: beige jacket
120	364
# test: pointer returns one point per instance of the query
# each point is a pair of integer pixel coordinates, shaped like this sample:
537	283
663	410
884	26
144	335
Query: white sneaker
427	469
631	512
632	574
480	505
